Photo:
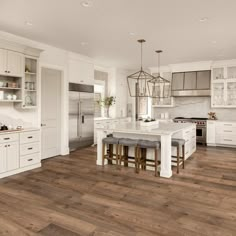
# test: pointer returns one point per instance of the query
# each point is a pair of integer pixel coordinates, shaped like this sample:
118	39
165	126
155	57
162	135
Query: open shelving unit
10	89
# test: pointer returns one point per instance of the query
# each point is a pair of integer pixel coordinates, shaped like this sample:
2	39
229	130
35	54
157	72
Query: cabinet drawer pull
30	159
228	124
30	148
30	137
229	131
228	140
6	138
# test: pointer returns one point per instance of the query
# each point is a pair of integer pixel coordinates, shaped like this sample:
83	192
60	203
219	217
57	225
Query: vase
107	111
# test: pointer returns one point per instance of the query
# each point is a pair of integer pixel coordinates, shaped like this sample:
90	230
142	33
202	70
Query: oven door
201	134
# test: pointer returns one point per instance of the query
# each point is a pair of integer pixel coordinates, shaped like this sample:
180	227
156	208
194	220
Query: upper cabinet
11	63
19	74
223	93
81	72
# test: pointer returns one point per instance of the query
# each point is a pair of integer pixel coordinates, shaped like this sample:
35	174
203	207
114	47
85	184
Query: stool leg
117	154
135	158
183	154
126	153
110	153
120	153
156	161
178	159
143	158
103	153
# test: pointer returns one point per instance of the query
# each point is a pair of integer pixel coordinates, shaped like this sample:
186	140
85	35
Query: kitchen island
163	132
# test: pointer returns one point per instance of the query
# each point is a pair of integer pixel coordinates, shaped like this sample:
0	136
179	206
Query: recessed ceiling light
213	42
132	34
28	23
84	43
87	3
204	19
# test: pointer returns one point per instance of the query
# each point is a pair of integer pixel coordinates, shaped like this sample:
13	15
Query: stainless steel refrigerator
81	116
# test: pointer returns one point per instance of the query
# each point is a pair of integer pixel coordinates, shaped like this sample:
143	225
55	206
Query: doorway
51	80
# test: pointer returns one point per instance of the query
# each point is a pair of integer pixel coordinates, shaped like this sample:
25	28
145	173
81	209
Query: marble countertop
18	131
108	118
163	128
226	121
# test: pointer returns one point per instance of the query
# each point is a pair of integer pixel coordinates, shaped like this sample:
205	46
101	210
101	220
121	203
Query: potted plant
107	102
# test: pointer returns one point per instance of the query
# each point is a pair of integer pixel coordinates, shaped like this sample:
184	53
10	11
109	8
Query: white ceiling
170	25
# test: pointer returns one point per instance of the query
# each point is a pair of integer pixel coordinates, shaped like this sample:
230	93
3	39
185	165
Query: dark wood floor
71	196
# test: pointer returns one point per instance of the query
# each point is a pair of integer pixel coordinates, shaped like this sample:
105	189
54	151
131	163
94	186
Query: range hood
191	84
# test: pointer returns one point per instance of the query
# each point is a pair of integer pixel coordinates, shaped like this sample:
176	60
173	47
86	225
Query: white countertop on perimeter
18	131
163	128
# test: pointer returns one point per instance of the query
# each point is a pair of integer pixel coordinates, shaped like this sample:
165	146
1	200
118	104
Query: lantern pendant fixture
138	81
158	86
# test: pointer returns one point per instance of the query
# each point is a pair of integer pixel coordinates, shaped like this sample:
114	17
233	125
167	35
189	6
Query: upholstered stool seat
177	142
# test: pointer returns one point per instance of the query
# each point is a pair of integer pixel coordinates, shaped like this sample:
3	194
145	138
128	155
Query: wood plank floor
71	196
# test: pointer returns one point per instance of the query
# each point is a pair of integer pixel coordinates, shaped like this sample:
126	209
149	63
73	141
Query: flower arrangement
107	102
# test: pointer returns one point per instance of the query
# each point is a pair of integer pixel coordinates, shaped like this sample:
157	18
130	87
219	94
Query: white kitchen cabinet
3	61
223	87
19	151
3	158
211	130
81	72
11	63
13	161
15	63
220	133
9	156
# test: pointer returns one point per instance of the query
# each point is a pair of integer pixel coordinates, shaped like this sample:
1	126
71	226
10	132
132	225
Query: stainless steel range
201	124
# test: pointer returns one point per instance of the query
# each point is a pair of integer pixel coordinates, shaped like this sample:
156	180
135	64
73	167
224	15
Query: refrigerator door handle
78	120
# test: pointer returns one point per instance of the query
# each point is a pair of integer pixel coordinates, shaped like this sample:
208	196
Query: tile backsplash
194	107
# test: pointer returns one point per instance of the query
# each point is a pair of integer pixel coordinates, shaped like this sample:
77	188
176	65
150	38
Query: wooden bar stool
179	143
124	144
110	156
141	156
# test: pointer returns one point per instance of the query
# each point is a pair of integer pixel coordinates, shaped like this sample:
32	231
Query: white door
3	61
13	160
51	112
15	63
3	158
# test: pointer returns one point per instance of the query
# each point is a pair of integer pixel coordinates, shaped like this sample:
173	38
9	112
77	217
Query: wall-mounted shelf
8	88
10	100
30	73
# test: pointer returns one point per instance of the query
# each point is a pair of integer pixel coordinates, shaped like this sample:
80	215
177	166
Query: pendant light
137	82
158	86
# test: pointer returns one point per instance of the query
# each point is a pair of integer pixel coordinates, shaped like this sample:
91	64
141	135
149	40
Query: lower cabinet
13	161
221	133
9	157
3	158
18	152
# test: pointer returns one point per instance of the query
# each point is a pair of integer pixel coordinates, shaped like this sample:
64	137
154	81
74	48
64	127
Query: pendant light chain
141	55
